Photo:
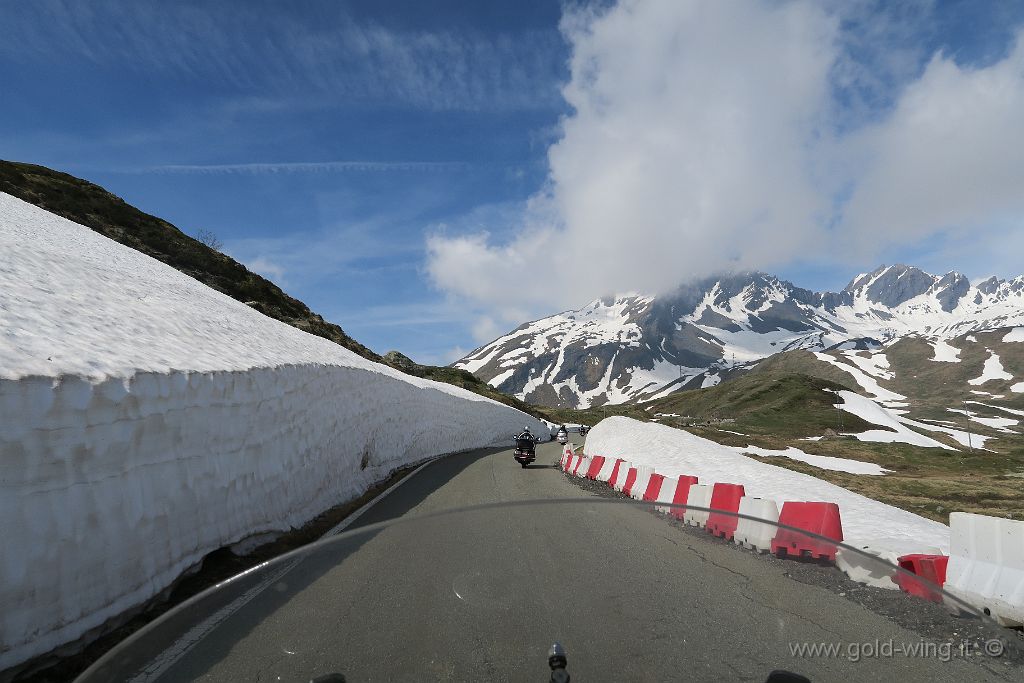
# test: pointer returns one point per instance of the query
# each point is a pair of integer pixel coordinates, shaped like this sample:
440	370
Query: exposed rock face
625	348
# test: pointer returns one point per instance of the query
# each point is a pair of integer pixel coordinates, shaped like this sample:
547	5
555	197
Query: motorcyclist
527	435
563	434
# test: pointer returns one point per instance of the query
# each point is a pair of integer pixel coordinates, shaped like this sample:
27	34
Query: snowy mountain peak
631	347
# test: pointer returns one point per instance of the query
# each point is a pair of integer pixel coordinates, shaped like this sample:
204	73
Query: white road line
182	645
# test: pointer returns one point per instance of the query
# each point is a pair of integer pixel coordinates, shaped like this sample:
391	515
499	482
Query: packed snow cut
147	420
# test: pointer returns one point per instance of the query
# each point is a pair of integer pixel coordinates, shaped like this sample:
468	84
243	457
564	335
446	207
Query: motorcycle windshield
629	589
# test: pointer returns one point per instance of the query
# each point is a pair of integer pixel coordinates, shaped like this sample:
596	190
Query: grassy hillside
789	397
92	206
776	403
928	481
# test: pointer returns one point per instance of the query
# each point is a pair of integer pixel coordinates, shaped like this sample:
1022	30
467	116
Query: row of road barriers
985	566
706	503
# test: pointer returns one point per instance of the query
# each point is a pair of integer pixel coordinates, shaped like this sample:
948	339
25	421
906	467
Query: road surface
482	595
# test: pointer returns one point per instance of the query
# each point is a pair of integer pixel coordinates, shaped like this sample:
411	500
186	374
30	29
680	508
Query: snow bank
146	420
1015	335
673	452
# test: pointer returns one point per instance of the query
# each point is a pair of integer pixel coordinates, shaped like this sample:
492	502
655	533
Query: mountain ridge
635	347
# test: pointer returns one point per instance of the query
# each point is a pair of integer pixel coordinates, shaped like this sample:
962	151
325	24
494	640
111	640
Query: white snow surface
147	420
867	382
1012	411
1015	335
997	423
870	411
945	352
823	462
993	370
674	451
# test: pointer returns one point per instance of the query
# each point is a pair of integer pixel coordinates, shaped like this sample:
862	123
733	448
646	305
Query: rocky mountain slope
639	347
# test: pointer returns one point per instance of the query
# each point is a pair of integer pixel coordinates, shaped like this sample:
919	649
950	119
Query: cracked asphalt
482	595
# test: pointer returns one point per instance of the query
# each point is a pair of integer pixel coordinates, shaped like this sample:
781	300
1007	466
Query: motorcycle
525	451
584	429
562	436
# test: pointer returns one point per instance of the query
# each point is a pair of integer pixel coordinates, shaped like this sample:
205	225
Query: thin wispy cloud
309	167
260	48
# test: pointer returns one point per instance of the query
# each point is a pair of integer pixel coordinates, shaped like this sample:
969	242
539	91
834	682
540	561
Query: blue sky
326	142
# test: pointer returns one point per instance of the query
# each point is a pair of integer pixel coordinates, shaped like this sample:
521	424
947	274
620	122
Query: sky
431	175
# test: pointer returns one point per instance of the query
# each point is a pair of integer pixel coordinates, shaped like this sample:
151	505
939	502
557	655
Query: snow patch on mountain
993	370
945	352
895	431
866	382
823	462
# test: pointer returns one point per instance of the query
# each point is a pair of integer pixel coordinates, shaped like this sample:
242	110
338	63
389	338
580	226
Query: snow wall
672	452
112	490
147	420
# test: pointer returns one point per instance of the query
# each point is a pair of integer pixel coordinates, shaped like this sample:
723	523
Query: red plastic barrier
724	497
682	491
929	567
627	488
818	518
615	471
596	463
654	486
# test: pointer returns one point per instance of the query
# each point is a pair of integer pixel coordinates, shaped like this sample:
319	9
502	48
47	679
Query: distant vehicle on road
562	435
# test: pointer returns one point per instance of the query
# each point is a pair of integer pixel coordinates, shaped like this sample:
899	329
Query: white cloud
949	158
710	136
485	329
688	150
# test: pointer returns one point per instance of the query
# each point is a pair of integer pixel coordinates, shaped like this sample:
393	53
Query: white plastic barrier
620	479
986	565
700	494
877	572
606	471
756	535
643	477
667	494
582	463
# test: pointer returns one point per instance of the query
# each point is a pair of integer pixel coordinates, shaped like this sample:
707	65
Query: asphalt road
482	595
